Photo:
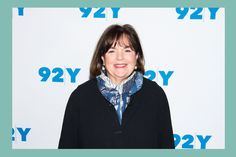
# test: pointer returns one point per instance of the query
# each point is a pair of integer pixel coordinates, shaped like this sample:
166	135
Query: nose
119	55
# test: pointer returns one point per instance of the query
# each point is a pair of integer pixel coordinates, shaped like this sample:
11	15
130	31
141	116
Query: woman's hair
111	36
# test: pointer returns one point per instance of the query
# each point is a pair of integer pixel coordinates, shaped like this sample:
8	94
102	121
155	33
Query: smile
120	65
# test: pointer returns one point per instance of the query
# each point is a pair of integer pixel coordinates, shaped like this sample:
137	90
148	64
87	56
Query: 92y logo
99	12
21	133
188	141
161	75
57	74
196	13
86	12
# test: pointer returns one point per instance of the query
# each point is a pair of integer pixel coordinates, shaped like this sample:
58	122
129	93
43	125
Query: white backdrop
186	43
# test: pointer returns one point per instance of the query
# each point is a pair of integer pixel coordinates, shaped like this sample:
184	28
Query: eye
110	51
128	50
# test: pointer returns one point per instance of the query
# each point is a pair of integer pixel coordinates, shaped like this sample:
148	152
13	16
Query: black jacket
90	121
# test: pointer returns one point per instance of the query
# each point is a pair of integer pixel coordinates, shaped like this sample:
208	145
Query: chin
124	76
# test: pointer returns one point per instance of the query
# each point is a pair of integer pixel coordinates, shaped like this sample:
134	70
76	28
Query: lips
120	65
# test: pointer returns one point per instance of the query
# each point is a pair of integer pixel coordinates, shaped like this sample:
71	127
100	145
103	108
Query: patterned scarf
119	95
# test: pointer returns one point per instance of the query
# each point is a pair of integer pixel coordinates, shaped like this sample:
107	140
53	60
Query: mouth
120	65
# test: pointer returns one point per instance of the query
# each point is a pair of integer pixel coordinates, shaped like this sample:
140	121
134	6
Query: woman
117	107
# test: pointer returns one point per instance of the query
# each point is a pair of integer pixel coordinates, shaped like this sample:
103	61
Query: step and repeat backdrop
184	52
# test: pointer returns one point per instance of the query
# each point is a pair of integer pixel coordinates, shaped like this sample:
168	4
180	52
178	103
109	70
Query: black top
90	121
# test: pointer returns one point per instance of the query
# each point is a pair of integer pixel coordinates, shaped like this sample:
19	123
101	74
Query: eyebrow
113	47
127	47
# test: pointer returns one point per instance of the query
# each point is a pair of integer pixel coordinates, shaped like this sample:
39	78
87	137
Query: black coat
90	121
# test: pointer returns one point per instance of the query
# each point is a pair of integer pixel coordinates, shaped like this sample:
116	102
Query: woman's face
120	61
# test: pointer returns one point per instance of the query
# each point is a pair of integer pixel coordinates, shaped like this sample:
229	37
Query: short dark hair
110	36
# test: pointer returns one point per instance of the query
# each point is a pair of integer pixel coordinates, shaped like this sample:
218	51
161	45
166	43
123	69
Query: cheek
133	60
108	61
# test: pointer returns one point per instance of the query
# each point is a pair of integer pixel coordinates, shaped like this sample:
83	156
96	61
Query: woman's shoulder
152	87
150	84
85	88
88	84
82	94
154	93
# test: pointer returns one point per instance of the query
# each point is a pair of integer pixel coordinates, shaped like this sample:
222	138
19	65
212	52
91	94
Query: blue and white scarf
119	95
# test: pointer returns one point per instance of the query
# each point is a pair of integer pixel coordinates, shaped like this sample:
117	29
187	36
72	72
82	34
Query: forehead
123	41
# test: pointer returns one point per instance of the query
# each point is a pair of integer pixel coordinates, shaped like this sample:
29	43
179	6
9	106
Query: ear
137	55
102	59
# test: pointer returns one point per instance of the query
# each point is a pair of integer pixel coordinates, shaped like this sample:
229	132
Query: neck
117	81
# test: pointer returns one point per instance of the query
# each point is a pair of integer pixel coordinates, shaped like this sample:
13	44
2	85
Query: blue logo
99	12
86	12
195	13
21	11
57	74
164	76
188	140
20	132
